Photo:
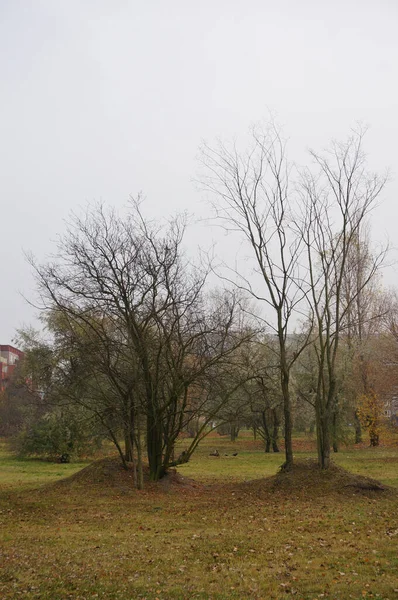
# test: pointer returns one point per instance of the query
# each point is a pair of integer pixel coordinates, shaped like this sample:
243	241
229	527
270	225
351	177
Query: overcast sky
103	99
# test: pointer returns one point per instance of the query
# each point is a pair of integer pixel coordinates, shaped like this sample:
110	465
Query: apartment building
9	357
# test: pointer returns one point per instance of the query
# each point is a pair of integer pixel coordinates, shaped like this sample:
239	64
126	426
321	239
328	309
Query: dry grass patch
300	534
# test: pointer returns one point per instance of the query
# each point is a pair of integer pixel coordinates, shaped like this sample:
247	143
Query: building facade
9	357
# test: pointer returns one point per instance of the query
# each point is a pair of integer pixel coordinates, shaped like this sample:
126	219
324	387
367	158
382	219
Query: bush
56	434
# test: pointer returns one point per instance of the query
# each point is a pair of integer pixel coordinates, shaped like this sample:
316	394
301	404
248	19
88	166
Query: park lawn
218	537
17	473
251	463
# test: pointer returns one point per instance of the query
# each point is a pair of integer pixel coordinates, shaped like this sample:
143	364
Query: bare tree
336	202
252	197
266	408
150	330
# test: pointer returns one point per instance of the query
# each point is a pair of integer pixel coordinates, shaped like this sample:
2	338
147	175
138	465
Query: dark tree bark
267	435
234	430
358	428
275	430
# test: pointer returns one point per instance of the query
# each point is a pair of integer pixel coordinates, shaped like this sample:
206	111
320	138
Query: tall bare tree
336	202
252	196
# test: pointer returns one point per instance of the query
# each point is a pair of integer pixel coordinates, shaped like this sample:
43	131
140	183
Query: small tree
370	413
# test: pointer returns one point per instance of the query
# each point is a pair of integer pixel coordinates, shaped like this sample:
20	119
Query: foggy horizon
101	101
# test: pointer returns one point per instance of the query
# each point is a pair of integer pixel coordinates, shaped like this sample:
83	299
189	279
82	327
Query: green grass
221	540
21	474
378	463
252	462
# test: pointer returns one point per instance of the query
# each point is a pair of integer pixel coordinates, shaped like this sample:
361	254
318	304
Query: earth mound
307	479
108	473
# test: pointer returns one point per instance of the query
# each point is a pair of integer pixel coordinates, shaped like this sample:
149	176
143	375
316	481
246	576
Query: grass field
212	533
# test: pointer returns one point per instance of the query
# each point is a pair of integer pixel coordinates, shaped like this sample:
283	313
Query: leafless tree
125	283
336	202
252	196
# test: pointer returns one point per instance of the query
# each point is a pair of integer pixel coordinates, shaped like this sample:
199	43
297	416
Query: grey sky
102	99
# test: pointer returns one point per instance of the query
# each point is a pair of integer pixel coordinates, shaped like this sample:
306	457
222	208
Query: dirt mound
307	479
104	473
108	473
174	479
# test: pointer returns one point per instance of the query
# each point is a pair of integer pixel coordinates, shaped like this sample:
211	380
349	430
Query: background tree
32	414
367	308
263	389
377	365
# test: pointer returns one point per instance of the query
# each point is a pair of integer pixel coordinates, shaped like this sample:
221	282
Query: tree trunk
119	449
324	446
267	435
322	432
154	448
234	431
287	413
128	445
275	430
374	438
358	428
129	454
335	427
275	446
140	473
